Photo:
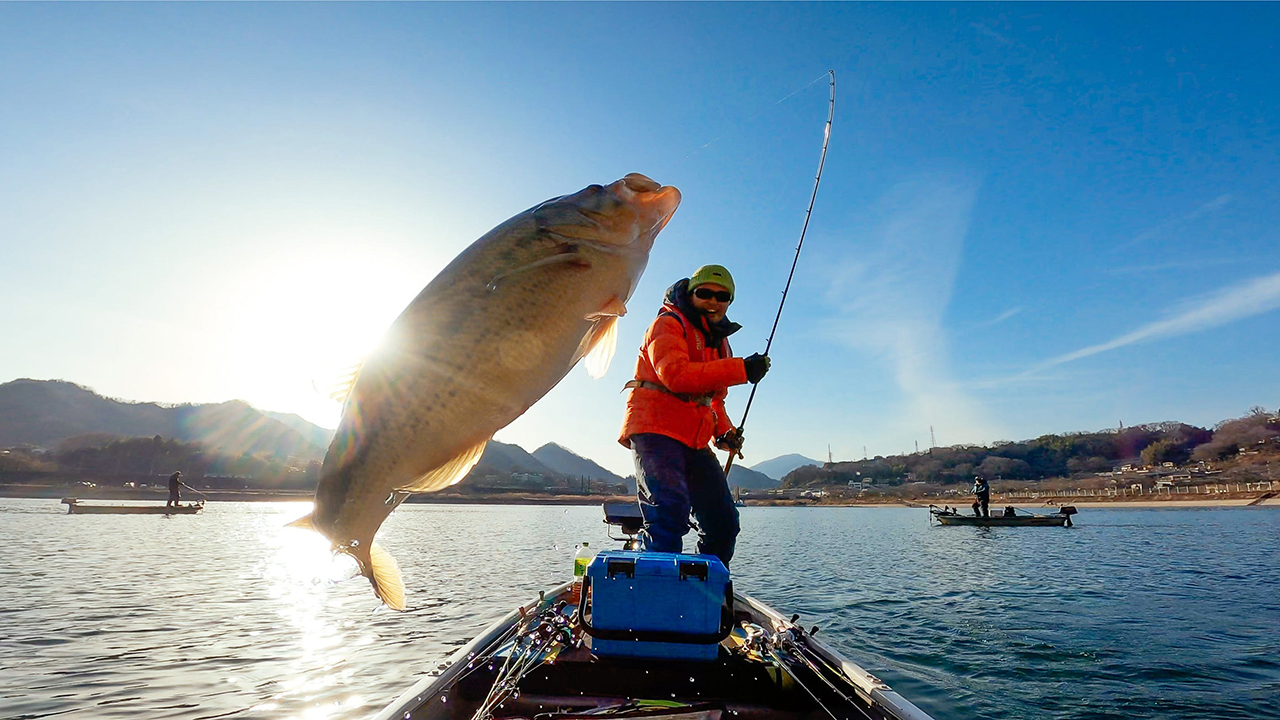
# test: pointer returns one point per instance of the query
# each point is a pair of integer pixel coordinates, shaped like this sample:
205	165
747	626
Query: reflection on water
229	614
297	573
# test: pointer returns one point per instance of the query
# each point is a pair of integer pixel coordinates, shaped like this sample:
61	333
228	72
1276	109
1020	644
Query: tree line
1053	456
149	459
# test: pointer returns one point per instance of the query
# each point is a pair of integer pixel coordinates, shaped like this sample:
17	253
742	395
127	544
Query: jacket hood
677	298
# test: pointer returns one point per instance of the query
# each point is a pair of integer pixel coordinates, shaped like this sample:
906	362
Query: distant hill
778	467
749	479
314	434
45	413
567	462
503	459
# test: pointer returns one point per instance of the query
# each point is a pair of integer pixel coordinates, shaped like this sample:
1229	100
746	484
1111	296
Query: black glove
731	442
757	365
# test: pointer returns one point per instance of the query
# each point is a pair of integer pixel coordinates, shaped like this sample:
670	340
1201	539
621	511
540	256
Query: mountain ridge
567	462
748	479
46	413
779	467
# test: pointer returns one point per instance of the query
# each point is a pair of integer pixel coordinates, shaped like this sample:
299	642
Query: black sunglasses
707	293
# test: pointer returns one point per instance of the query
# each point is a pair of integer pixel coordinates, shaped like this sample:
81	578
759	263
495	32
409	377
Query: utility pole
917	447
864	452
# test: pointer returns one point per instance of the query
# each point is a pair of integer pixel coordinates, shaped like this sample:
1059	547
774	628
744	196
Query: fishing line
757	114
822	161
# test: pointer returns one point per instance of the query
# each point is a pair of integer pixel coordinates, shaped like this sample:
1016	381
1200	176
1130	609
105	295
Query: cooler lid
653	564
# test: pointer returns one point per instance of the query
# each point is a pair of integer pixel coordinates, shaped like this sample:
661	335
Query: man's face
712	299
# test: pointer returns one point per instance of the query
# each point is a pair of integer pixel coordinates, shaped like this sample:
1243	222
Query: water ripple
1133	613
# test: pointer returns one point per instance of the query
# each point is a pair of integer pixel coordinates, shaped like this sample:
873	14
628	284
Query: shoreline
45	492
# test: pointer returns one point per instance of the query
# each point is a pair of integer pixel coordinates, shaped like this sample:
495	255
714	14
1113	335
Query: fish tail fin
384	574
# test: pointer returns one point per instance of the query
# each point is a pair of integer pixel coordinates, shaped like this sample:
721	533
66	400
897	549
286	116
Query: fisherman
983	492
175	481
676	407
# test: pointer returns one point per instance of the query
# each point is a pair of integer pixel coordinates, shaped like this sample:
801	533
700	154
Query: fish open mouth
657	202
641	183
629	211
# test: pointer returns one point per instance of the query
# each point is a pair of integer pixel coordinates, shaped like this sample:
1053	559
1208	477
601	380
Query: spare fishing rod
817	179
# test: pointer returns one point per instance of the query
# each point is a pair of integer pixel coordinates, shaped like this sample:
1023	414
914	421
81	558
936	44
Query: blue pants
672	479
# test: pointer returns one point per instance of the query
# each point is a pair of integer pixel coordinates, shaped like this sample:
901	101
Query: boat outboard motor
1067	510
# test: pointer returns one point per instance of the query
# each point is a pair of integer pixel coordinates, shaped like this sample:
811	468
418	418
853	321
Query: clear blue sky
1035	218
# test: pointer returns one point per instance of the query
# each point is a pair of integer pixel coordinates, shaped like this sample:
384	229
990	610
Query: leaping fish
485	340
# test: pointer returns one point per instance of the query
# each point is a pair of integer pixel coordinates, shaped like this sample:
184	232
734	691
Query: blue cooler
656	605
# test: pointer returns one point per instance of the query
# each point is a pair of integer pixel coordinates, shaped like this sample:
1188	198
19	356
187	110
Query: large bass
485	340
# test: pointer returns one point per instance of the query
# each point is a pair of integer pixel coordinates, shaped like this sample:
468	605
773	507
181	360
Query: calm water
1133	613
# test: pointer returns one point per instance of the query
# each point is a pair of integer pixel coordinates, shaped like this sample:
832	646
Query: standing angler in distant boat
488	337
175	482
676	407
983	492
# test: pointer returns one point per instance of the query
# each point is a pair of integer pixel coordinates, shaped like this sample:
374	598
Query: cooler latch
690	569
622	566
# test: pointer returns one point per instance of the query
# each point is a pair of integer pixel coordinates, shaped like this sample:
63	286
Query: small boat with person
948	515
651	636
74	507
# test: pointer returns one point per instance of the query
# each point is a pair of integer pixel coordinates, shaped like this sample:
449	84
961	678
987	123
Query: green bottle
581	560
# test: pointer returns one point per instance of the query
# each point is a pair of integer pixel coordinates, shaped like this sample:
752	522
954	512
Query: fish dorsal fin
384	573
449	473
598	346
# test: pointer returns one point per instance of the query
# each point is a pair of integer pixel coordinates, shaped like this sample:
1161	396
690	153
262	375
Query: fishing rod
822	161
206	497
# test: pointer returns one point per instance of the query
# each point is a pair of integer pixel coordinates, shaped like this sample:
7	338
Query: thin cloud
1249	298
1001	317
1168	226
890	297
1174	265
989	32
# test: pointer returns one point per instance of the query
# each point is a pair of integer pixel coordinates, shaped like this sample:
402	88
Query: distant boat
950	516
75	508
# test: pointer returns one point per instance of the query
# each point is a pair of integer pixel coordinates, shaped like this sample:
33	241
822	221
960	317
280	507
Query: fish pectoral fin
613	307
569	257
339	387
450	473
598	346
384	574
303	523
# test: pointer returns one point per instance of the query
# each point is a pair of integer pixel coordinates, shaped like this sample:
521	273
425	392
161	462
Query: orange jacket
675	355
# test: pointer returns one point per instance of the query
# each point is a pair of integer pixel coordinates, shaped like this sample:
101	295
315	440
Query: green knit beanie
712	274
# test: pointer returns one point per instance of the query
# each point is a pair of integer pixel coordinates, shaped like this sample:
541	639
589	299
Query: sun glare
303	558
300	324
